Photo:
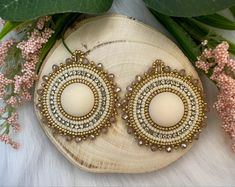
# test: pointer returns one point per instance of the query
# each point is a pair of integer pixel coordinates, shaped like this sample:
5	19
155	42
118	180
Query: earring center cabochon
164	109
78	98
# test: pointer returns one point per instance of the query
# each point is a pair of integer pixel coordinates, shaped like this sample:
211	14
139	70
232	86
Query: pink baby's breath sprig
223	71
4	46
15	86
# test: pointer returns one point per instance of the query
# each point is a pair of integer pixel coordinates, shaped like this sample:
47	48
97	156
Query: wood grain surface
126	48
210	162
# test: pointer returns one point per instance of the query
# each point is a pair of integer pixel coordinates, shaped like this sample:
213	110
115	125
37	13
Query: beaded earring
143	120
78	99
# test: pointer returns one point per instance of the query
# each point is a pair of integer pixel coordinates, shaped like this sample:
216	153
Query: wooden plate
126	47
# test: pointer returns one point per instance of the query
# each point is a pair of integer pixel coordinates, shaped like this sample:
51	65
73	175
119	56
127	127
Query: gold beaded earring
78	99
149	124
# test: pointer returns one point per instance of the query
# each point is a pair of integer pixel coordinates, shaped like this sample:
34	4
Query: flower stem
70	21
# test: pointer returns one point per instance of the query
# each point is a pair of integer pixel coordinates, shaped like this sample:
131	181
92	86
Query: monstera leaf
188	8
21	10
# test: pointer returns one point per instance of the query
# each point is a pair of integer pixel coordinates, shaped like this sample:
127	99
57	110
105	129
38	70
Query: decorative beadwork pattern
78	69
157	80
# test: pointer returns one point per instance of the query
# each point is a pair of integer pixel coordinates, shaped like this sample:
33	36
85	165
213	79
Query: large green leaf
188	8
218	21
21	10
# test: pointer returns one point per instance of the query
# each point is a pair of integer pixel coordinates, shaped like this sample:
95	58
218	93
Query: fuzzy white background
38	163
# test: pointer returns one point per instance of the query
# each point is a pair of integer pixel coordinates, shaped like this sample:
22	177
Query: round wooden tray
126	47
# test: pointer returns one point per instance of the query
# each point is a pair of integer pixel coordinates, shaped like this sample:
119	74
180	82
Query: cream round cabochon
77	99
166	109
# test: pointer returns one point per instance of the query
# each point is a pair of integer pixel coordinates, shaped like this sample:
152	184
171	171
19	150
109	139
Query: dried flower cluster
223	73
17	76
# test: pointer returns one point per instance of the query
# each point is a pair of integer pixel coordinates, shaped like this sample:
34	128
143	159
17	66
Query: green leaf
232	9
8	27
200	32
188	8
21	10
218	21
186	43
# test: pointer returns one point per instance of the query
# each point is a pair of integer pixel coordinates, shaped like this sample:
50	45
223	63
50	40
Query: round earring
78	98
157	93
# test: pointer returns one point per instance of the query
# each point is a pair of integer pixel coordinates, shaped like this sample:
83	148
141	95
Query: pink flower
3	83
26	96
4	49
12	120
6	139
17	90
41	22
12	101
225	104
203	65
